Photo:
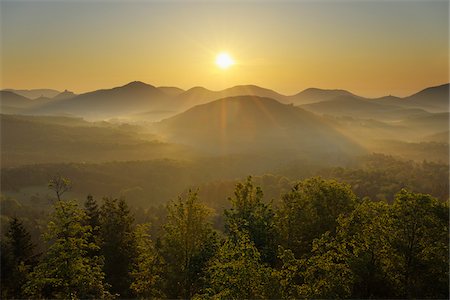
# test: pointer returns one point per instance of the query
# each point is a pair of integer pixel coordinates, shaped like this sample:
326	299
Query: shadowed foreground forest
318	240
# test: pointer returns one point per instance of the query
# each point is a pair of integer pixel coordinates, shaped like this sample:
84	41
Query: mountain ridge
137	97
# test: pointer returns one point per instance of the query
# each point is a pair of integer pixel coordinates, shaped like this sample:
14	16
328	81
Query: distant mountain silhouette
64	95
35	93
131	98
11	103
313	95
388	100
171	90
254	124
201	95
359	107
433	98
252	90
141	99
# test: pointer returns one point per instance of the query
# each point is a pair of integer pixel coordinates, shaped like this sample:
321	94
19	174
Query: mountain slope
313	95
44	139
254	124
35	93
131	98
362	108
433	98
11	103
170	90
201	95
64	95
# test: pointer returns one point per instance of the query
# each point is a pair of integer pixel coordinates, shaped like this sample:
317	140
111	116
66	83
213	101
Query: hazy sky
369	48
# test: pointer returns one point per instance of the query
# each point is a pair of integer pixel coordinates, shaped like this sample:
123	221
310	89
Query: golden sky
369	48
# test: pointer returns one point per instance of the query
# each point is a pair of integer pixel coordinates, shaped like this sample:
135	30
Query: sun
224	60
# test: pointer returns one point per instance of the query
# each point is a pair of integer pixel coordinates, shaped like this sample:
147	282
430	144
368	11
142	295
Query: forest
318	240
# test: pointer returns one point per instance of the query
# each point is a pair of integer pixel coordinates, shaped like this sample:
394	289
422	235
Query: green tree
250	214
419	246
237	272
147	269
365	234
17	259
350	263
118	245
187	244
327	274
93	219
289	275
66	271
309	210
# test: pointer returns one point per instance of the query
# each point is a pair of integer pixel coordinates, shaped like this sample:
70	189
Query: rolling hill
435	99
131	98
201	95
43	139
313	95
35	93
146	102
171	90
353	106
254	124
12	102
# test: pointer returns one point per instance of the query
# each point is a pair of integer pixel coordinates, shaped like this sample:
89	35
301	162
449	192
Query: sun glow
224	60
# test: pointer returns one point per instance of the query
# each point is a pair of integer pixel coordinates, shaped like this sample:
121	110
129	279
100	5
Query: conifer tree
66	271
17	259
118	245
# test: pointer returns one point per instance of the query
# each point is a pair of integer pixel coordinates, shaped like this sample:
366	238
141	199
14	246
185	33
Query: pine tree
66	271
93	219
118	245
17	259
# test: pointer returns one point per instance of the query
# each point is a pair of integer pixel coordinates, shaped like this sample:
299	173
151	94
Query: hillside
440	137
35	93
362	108
434	99
250	123
313	95
432	123
200	95
146	102
131	98
30	140
171	90
11	102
